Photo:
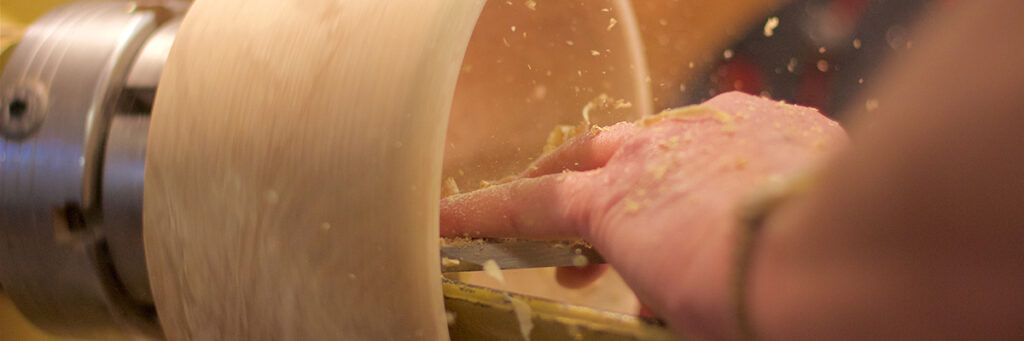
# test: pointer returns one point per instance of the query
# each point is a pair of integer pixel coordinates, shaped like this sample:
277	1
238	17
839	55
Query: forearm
919	230
881	257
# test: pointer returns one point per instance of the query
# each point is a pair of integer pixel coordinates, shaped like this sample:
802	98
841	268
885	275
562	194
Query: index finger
554	206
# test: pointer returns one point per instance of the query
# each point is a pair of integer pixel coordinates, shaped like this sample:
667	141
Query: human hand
659	198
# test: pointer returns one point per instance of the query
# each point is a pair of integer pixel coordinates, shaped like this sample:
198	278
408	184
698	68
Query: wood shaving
603	101
523	315
741	163
492	269
631	206
462	241
770	26
446	262
449	188
658	172
562	134
692	112
670	143
611	23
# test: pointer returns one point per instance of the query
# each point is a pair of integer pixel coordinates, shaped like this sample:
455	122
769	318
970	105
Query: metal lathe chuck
75	98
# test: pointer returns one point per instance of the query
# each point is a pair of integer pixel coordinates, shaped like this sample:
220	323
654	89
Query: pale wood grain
293	165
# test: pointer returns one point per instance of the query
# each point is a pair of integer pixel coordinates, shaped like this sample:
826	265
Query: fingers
574	277
554	206
585	152
546	203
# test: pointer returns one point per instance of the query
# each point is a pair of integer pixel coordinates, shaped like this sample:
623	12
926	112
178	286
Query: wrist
789	293
707	308
703	301
751	235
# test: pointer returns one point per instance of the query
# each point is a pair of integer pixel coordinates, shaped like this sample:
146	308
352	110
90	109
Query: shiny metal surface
24	106
53	264
144	74
460	255
124	167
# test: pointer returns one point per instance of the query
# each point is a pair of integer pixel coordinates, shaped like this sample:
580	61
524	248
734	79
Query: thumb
591	150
